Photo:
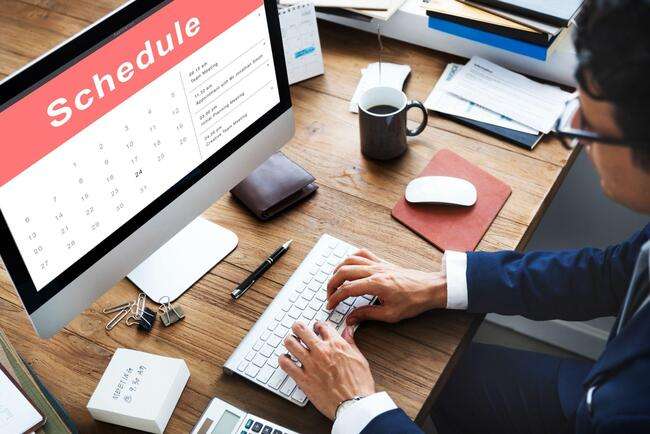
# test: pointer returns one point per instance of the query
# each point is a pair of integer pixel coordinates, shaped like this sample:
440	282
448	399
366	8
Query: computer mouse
441	189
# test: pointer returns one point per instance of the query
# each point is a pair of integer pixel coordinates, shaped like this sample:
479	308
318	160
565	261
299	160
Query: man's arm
572	285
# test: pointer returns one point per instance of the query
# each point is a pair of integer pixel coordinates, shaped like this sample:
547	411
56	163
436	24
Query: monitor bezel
36	74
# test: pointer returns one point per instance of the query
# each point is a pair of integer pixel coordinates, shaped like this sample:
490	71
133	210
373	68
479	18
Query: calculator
223	418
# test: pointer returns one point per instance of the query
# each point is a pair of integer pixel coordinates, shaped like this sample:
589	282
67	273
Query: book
455	227
524	21
58	422
555	12
519	138
467	15
509	44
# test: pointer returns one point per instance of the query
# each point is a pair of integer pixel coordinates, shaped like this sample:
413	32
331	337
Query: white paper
302	49
361	4
392	75
17	414
440	100
505	92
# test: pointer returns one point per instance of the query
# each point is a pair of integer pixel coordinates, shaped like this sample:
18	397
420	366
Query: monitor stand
183	260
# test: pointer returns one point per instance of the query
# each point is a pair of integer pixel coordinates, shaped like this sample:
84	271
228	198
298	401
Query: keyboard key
332	244
288	386
314	285
322	315
321	295
279	316
274	341
286	307
368	297
242	366
299	395
332	262
252	370
320	261
300	289
288	321
265	335
349	301
308	295
277	378
258	346
316	304
361	301
301	304
281	331
306	279
250	355
328	268
265	373
294	312
341	251
280	350
313	270
267	350
257	427
267	430
309	313
273	361
342	308
321	277
293	297
272	327
259	360
336	317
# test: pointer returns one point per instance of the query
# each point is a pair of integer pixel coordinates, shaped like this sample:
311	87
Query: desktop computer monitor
116	140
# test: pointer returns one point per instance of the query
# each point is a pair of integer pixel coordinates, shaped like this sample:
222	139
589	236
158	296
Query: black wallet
276	185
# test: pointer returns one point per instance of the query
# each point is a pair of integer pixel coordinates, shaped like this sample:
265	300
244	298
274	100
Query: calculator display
226	424
90	149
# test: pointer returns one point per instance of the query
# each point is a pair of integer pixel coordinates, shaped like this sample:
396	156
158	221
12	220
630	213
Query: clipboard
6	413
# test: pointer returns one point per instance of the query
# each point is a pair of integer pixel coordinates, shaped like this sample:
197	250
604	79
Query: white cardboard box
139	390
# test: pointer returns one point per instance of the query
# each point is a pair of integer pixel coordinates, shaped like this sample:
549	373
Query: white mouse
441	189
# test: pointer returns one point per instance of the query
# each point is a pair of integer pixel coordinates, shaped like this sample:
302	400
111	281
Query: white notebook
17	414
302	49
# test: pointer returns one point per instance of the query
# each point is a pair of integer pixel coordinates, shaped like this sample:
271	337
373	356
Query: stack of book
529	27
57	420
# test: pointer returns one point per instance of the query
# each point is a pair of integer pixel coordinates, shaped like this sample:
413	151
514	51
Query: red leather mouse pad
451	227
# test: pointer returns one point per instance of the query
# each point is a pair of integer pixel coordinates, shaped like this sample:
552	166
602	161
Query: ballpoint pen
259	272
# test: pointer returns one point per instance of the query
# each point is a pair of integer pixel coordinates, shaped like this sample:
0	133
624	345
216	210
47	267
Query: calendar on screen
91	148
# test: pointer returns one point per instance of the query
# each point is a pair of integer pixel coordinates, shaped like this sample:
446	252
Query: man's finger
291	369
325	330
367	313
353	260
365	253
348	335
296	349
349	273
359	287
305	334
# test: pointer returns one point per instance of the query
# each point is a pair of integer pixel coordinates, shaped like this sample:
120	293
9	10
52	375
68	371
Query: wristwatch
347	403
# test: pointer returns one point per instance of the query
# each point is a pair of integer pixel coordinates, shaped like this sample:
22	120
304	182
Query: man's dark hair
613	46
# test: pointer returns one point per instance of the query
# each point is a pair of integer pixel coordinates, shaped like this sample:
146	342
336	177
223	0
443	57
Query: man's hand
402	293
333	369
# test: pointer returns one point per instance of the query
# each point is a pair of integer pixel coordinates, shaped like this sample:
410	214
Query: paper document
510	94
392	75
393	6
440	100
17	414
302	49
381	5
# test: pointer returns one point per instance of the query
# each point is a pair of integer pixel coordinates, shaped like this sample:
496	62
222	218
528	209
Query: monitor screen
130	123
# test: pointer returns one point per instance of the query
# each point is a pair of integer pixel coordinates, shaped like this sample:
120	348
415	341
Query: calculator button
257	427
267	430
277	431
244	432
249	423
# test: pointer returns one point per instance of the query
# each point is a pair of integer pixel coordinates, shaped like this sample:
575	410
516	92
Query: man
499	390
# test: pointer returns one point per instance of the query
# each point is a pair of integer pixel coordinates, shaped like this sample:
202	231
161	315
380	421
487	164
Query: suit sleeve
574	285
391	422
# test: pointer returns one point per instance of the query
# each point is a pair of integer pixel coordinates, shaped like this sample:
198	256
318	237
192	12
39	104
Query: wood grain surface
410	360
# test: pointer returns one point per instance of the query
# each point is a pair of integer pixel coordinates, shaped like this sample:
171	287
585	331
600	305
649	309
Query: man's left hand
333	369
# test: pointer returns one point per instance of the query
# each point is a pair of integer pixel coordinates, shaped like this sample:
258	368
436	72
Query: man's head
613	48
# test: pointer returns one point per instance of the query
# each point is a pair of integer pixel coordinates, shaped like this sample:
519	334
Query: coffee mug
382	122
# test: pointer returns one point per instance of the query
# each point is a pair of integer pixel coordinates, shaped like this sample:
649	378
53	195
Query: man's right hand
403	293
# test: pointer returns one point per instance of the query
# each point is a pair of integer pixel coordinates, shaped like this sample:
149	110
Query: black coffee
382	109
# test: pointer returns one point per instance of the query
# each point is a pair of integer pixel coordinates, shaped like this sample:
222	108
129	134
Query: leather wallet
276	185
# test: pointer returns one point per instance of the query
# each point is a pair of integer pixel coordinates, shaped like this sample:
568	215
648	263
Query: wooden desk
409	360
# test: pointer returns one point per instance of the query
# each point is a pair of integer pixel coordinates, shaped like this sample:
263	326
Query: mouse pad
451	227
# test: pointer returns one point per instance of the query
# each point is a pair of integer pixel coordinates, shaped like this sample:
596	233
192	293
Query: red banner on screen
29	132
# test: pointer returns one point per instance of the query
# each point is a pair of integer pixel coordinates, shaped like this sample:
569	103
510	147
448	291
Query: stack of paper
379	9
489	95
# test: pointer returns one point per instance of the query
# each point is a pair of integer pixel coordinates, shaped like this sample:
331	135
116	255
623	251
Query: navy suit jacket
573	285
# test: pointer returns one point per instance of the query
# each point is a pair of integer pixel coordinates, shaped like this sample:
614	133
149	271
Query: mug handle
425	118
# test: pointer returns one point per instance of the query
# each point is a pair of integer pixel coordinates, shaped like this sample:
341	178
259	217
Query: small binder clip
170	314
147	320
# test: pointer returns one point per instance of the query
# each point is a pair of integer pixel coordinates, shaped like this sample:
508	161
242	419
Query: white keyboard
302	298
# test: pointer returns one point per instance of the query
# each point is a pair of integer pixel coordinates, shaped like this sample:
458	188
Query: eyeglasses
571	128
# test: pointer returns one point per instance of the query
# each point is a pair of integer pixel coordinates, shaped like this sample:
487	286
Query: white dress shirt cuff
355	417
455	266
